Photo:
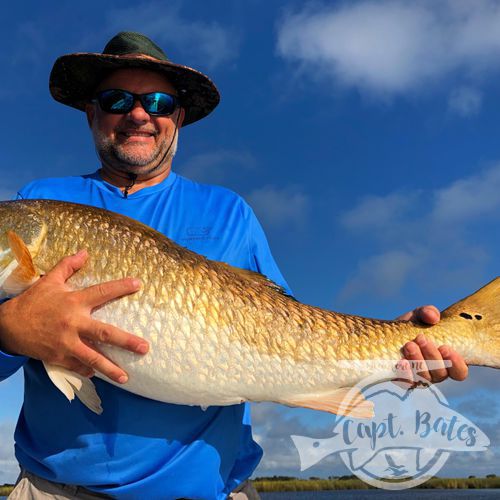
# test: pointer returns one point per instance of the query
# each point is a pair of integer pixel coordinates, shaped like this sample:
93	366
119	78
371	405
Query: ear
90	112
180	119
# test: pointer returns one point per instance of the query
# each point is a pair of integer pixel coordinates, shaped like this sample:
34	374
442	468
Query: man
135	101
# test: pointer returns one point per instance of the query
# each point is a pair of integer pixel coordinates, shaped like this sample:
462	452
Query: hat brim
74	78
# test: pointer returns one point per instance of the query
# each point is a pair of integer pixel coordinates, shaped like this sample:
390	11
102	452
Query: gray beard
115	156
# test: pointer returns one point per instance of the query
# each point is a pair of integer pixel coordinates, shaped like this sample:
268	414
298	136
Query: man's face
135	142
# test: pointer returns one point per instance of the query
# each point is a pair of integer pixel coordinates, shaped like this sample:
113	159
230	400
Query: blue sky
364	134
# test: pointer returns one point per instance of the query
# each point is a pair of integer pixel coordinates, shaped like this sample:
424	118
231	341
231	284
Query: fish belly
192	363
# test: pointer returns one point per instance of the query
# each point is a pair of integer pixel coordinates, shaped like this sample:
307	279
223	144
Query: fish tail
479	312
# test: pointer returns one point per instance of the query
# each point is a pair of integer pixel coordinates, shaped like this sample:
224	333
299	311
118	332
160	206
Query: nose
138	114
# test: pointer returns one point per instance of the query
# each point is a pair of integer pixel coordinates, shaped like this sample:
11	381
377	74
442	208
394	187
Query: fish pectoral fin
71	384
24	275
345	401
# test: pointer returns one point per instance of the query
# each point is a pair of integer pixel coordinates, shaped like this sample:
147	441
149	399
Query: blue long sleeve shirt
140	448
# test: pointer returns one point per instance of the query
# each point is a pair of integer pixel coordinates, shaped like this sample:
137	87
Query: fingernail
80	253
421	340
142	348
445	351
410	350
136	283
123	379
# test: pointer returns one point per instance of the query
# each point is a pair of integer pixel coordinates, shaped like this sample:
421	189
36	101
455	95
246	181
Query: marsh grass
316	484
5	490
268	485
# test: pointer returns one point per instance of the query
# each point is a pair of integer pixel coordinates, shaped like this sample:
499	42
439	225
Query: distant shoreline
280	483
6	489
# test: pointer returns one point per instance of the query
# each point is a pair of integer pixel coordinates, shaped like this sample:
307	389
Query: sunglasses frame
136	97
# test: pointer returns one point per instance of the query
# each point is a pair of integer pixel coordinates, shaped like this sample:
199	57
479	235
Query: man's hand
421	349
52	323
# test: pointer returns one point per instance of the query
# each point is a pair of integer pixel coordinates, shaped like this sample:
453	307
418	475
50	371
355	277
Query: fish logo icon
410	438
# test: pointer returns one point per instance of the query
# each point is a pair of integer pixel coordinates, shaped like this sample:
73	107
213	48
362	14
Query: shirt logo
199	233
198	230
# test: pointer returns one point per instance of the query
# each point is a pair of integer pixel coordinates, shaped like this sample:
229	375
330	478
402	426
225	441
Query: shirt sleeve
262	257
9	364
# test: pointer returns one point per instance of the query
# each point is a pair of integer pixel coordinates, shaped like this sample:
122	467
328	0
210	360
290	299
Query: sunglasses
117	101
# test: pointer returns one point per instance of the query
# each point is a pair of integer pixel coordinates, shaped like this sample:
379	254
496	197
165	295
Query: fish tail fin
71	384
481	311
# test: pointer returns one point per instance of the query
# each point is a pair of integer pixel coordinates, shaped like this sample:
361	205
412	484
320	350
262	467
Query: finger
96	361
412	352
97	331
458	369
97	295
77	366
406	316
403	374
428	315
431	353
66	267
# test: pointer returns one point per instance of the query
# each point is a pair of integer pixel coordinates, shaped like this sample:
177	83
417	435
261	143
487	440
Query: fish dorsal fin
25	274
71	384
255	277
345	401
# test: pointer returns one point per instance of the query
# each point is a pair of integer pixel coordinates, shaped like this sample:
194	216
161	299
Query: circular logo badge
408	441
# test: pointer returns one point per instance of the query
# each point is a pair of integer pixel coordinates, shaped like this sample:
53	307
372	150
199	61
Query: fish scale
220	335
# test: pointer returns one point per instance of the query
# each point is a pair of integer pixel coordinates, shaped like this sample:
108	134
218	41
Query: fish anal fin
25	274
71	384
345	401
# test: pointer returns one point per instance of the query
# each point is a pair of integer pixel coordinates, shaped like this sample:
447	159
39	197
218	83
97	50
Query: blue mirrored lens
158	103
116	101
121	101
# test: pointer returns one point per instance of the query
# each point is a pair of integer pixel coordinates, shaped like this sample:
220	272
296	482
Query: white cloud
216	166
465	101
9	468
469	198
424	236
382	275
277	207
208	44
272	427
393	46
375	211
